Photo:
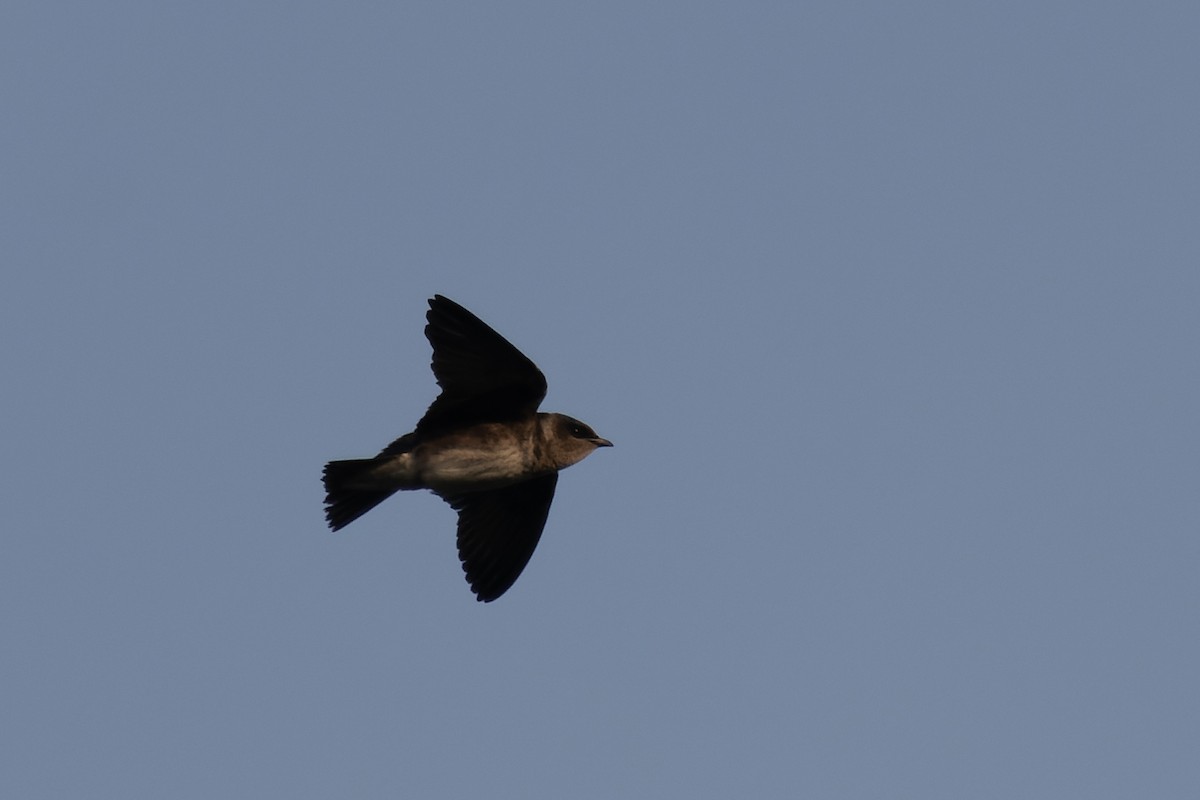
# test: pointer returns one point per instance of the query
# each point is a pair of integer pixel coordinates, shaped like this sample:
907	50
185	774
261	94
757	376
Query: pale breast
485	457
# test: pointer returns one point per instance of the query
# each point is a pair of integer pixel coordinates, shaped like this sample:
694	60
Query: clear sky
890	309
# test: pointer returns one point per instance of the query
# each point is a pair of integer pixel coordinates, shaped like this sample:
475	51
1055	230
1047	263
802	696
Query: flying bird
482	446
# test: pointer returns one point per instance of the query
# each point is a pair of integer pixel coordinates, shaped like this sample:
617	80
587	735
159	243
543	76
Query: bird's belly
470	469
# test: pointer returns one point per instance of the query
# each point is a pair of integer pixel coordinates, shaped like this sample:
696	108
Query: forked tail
348	491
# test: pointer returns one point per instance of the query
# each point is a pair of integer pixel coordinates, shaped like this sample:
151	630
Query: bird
482	446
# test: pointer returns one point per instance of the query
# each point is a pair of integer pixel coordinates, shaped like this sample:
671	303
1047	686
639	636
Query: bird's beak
600	442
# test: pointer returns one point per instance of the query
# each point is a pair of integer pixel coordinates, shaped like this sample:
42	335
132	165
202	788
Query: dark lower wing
498	531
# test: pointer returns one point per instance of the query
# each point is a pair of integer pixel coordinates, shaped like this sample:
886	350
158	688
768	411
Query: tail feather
348	495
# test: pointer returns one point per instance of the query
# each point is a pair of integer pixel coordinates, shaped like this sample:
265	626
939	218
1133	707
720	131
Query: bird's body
482	446
485	456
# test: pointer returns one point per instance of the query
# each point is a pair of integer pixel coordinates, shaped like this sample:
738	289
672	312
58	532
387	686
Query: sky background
889	309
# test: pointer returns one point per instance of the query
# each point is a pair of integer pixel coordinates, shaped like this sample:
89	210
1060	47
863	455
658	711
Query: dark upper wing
483	377
498	531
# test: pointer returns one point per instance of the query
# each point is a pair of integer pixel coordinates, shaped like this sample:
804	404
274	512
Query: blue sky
889	309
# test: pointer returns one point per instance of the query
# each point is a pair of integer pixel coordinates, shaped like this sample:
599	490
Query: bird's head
569	441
